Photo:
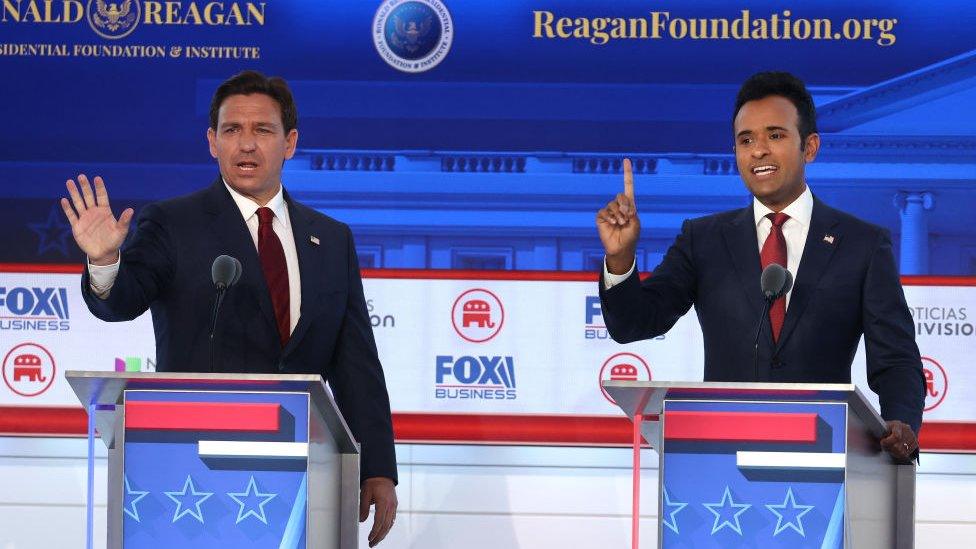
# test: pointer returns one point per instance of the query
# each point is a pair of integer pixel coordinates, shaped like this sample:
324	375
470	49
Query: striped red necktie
275	272
774	251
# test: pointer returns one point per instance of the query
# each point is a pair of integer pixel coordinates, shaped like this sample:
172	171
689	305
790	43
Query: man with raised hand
299	305
846	282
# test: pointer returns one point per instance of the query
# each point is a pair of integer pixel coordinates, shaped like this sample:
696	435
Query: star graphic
139	494
180	511
727	508
790	506
251	494
668	504
52	233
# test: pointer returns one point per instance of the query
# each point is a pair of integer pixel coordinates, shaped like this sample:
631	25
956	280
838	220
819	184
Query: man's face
768	150
250	145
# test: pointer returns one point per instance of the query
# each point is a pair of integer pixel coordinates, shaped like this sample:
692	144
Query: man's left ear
812	147
212	141
291	143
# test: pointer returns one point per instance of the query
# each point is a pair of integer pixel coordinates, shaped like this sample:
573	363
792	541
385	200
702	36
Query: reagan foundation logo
113	20
413	35
116	19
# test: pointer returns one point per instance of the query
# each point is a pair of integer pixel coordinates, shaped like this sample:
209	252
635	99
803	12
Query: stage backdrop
472	142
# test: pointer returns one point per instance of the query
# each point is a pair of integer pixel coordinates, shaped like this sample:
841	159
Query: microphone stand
221	290
762	322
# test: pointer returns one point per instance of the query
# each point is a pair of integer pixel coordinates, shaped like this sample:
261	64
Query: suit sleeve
147	266
894	367
635	310
358	383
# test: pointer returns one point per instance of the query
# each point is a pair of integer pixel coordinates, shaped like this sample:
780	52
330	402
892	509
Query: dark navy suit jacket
165	267
844	288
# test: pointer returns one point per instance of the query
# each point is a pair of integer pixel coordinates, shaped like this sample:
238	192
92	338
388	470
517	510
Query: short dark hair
251	82
783	84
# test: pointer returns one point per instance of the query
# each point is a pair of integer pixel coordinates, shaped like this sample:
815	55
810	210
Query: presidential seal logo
413	35
113	19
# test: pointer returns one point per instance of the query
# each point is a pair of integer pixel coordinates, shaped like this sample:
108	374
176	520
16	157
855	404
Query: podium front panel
753	474
215	469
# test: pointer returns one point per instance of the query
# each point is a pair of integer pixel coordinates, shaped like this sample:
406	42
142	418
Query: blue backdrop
499	153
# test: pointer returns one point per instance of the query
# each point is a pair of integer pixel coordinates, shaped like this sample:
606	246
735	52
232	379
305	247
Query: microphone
225	272
775	282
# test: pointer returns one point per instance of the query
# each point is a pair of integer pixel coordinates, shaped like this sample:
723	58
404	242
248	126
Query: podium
768	465
221	460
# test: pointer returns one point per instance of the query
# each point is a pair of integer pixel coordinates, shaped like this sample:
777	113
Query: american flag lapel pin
829	239
314	239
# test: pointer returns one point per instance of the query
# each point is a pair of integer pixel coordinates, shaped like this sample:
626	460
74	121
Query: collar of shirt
800	210
249	207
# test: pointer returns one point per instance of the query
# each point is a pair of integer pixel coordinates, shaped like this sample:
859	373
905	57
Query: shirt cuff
101	278
610	280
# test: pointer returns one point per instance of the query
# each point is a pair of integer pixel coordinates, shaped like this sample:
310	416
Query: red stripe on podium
740	426
202	416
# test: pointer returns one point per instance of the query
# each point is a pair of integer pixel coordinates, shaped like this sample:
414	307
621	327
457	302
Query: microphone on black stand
226	271
775	283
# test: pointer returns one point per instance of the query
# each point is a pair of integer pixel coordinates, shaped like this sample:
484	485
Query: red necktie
774	251
275	271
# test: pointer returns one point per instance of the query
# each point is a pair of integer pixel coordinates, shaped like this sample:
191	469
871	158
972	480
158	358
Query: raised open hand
96	230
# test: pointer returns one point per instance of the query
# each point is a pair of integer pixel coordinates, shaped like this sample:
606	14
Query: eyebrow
768	128
231	123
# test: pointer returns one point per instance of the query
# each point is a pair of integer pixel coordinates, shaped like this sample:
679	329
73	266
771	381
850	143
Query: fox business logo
475	378
41	309
113	20
595	328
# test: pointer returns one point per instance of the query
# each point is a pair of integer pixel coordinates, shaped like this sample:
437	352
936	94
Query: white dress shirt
101	278
795	231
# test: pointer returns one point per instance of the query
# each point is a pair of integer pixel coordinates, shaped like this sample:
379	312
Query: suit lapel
310	268
235	240
743	245
817	252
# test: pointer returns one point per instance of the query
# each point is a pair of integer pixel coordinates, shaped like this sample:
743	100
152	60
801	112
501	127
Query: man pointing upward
846	283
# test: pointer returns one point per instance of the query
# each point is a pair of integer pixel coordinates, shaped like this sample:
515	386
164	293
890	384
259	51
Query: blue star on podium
189	493
251	499
129	501
790	508
728	511
674	507
52	233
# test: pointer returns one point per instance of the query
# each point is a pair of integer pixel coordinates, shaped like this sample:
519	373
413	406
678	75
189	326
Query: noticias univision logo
479	378
134	364
41	309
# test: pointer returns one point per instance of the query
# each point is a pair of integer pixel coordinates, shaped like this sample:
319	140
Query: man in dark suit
846	280
299	305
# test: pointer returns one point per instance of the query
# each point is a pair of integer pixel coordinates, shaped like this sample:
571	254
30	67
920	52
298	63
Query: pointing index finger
628	179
